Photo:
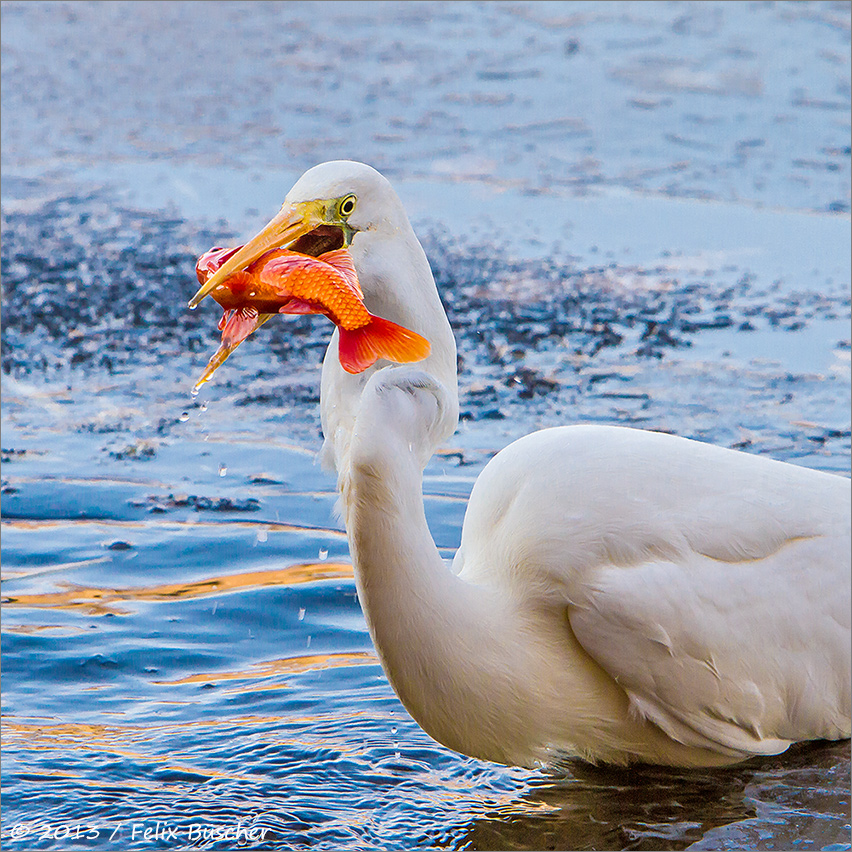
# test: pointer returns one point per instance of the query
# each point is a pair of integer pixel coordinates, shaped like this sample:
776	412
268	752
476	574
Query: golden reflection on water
289	665
32	629
95	601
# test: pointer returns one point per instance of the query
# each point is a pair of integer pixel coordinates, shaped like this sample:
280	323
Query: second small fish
287	282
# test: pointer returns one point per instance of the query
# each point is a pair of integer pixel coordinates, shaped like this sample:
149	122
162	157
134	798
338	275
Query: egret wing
742	656
712	586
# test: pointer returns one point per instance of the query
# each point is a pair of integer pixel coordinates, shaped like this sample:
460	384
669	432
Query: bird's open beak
292	222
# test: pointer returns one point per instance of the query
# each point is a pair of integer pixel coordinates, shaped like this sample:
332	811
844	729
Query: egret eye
347	205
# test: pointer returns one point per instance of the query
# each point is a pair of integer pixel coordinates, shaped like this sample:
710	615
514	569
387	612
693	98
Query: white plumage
618	594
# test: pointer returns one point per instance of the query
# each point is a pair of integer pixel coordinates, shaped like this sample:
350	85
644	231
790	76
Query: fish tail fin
360	348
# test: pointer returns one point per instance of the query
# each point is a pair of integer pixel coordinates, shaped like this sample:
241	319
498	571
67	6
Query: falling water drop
203	405
323	553
301	613
308	643
184	416
262	536
194	392
223	469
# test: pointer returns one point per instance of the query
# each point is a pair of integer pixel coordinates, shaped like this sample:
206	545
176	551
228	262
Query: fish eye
347	205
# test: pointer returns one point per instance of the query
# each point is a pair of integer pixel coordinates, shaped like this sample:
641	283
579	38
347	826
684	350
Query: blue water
179	667
184	661
203	667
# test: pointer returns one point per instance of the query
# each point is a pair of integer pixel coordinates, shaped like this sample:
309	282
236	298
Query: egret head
323	211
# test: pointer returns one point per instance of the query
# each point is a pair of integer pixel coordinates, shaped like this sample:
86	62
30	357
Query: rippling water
185	664
184	654
202	667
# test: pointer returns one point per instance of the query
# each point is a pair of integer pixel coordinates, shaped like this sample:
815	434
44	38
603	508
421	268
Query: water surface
636	213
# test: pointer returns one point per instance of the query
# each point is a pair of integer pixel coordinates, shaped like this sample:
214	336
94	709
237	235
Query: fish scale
318	282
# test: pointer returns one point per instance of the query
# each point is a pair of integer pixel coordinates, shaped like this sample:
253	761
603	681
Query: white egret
618	595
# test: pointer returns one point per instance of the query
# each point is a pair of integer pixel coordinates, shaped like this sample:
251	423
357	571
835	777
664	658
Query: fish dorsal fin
341	260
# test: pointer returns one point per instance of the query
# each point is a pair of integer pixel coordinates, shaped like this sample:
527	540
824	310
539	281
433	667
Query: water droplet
323	553
393	729
308	643
301	613
223	469
262	536
184	416
203	405
194	392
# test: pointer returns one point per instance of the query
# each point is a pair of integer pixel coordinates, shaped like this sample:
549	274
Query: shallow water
185	664
184	652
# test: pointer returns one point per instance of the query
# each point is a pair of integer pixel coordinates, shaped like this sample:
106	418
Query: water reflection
659	808
275	668
101	601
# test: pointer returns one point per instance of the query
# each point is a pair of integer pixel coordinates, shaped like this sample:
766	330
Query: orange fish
287	282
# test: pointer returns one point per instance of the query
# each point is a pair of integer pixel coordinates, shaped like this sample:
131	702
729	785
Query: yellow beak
292	222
